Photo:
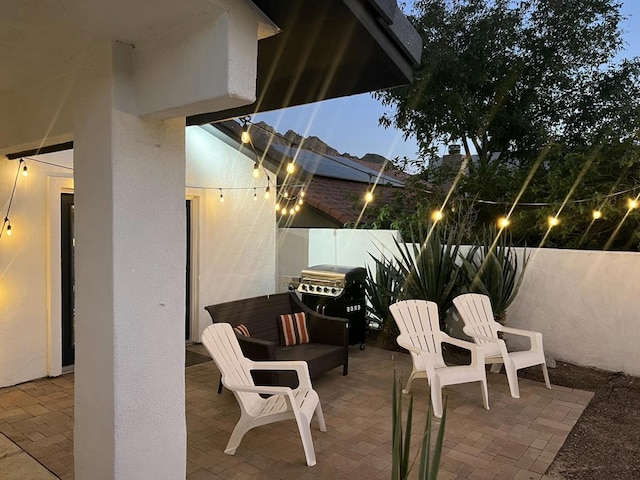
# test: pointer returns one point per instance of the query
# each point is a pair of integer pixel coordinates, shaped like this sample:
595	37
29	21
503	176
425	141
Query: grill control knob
326	289
333	290
304	287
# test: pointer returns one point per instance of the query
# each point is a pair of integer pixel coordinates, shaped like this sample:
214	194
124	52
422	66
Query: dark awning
328	49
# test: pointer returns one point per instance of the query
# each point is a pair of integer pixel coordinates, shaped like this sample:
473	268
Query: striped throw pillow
294	328
242	330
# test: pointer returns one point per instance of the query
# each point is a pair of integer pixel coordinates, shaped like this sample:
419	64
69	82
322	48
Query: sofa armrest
324	328
328	330
257	349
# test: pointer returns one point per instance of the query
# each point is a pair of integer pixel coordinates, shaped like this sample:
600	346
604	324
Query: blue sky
350	124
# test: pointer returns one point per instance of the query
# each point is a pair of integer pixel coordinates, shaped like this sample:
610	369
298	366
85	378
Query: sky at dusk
350	124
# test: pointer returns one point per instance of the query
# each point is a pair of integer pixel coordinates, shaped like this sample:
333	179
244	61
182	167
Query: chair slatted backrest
419	319
476	313
220	341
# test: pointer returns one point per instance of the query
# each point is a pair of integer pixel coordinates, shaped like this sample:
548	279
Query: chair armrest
256	348
404	341
475	335
477	356
299	366
534	337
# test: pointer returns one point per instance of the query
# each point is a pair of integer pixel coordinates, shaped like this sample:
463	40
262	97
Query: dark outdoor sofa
327	349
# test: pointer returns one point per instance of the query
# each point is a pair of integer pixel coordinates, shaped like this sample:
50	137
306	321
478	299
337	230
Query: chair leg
485	393
407	388
495	367
320	415
545	372
242	427
305	435
436	397
512	377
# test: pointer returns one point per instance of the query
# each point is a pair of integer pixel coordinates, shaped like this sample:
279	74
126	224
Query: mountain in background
313	144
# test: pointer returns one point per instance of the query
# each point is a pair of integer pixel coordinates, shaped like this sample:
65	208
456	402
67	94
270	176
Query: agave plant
401	441
491	268
382	289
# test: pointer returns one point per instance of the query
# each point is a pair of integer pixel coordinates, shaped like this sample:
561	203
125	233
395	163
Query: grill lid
329	280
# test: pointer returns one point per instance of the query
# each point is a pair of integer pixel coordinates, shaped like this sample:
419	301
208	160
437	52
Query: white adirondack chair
420	333
284	403
476	313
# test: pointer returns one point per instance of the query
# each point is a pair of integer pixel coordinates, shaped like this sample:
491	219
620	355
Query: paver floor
516	440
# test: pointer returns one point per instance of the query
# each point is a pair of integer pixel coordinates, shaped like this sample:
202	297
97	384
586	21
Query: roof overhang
328	49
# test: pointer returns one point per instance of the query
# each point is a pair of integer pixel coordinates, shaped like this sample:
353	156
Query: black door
187	308
67	267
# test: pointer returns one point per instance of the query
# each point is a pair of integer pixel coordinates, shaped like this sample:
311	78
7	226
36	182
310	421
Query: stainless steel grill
337	291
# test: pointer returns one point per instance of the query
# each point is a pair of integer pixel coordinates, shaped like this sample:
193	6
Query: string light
25	171
368	197
255	195
297	208
8	229
292	211
596	214
267	192
256	170
291	168
503	222
245	137
553	221
286	194
277	206
437	215
632	204
302	193
300	202
221	196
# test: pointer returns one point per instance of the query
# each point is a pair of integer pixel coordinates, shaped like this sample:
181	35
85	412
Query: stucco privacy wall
299	248
237	237
585	303
233	248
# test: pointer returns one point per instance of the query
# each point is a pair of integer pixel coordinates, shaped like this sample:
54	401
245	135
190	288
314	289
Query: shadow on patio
516	439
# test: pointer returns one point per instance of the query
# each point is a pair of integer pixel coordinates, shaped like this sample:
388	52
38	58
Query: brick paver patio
517	439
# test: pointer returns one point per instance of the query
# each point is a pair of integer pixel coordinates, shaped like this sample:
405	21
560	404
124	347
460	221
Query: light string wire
13	191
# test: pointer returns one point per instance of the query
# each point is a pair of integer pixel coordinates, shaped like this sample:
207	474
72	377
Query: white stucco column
130	269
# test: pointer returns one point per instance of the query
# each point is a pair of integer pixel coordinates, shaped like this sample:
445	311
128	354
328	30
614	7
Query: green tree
533	91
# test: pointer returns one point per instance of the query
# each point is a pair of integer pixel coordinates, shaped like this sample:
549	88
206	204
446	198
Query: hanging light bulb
255	195
632	204
368	197
256	170
437	215
221	196
596	214
300	202
503	222
292	211
25	170
302	193
277	206
8	230
244	136
291	168
267	192
297	208
286	194
553	221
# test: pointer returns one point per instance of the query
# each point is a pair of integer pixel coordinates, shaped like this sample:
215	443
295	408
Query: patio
516	439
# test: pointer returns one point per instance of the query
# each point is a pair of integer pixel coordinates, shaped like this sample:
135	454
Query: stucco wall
234	248
237	237
585	303
24	258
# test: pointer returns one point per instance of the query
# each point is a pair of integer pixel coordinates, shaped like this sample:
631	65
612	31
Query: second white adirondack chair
420	333
476	313
284	403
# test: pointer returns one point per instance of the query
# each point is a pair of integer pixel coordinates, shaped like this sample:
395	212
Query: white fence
585	303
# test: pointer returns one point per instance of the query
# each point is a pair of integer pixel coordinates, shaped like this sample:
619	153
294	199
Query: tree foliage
545	113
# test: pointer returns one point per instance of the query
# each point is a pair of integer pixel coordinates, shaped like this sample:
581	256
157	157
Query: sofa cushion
293	329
